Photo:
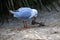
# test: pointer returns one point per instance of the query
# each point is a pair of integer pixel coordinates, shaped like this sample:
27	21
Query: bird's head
35	12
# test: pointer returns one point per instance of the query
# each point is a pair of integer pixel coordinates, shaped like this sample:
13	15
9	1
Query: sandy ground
14	30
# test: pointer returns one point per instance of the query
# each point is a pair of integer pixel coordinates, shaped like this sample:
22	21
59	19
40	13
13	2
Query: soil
51	31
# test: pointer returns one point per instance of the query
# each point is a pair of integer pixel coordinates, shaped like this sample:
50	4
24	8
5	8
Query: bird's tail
12	12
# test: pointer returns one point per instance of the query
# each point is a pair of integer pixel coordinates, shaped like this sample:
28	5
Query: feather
24	12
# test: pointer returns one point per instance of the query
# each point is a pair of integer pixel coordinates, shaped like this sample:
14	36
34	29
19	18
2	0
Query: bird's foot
26	26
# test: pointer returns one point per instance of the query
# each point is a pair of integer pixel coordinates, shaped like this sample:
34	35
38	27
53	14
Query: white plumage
24	13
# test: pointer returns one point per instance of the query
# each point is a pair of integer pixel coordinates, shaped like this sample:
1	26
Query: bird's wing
26	13
23	8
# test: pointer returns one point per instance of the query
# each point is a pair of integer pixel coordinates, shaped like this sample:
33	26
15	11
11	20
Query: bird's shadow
31	27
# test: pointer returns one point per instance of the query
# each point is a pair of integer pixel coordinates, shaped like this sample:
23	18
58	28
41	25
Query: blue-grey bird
25	13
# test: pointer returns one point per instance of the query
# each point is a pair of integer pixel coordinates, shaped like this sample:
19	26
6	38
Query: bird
25	13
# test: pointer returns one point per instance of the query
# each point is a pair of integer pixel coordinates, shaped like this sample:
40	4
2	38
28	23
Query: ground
15	31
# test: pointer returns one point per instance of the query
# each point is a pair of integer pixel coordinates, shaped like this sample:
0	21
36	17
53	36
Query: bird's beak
34	18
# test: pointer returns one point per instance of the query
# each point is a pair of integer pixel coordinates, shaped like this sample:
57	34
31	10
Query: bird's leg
25	24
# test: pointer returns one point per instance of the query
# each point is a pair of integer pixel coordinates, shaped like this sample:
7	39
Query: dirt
14	29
